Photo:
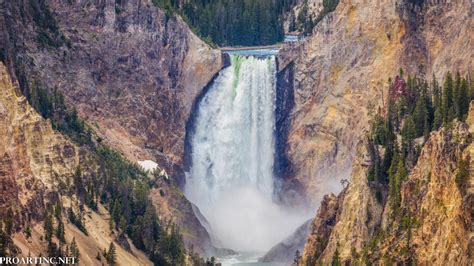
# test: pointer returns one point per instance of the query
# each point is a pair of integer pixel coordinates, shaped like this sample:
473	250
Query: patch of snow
148	165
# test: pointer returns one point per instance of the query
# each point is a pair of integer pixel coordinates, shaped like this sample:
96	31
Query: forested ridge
414	108
105	178
233	22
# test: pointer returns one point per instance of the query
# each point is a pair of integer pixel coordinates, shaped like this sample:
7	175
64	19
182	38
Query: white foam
231	178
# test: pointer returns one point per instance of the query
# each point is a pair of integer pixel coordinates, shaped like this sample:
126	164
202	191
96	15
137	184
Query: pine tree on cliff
60	231
437	104
457	96
111	254
122	225
392	175
77	179
3	241
408	137
438	119
336	260
48	227
402	173
9	222
464	99
471	85
75	250
448	98
27	232
52	249
420	116
451	114
297	257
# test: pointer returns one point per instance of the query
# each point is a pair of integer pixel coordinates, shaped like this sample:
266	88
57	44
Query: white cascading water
231	177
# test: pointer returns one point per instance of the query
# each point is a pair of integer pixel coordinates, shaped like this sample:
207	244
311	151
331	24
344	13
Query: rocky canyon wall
433	227
131	71
340	79
341	73
36	164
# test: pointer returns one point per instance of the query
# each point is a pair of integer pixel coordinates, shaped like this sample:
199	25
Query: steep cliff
283	251
131	71
36	163
340	73
338	79
433	225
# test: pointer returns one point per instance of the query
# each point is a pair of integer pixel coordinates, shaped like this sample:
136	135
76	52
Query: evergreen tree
111	254
75	250
9	222
48	227
463	99
234	22
451	114
77	178
57	211
471	85
297	257
122	225
175	245
457	96
438	119
408	137
3	241
400	176
392	173
77	221
52	249
60	231
437	104
336	260
28	232
302	16
420	116
448	98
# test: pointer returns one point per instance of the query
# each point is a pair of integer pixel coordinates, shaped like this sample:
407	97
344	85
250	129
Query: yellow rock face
35	161
439	207
34	157
341	75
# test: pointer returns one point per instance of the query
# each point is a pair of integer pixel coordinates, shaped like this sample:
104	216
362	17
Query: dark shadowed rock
284	252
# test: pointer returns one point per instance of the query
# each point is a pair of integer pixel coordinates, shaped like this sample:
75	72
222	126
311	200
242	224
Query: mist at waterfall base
231	176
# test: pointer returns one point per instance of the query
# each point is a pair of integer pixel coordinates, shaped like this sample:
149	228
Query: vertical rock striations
131	70
340	75
36	164
433	224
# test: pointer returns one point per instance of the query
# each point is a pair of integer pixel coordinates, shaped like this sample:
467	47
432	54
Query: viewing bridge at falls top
248	48
289	39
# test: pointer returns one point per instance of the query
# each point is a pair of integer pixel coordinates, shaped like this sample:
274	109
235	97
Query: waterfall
231	176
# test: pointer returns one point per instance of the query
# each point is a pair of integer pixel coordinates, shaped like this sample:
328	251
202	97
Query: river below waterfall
231	175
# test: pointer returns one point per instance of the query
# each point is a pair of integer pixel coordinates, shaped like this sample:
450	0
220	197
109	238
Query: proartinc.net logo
37	260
